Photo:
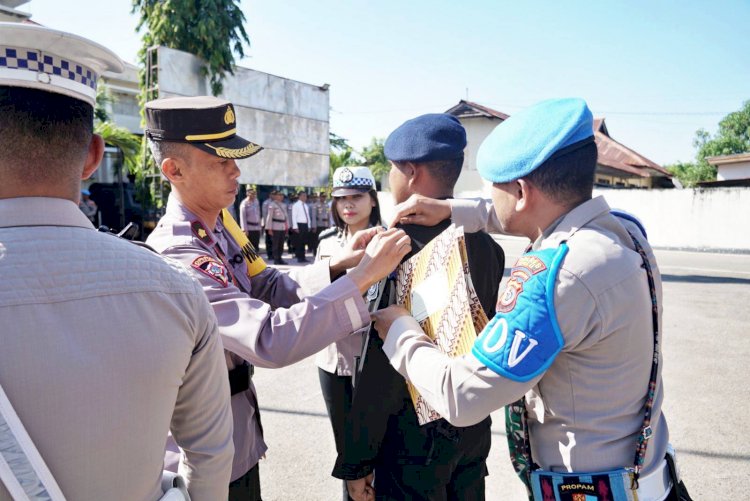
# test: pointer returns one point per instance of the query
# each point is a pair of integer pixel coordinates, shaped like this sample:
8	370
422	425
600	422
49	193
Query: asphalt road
706	367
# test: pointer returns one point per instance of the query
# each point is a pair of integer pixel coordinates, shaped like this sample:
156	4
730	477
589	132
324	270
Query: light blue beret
532	136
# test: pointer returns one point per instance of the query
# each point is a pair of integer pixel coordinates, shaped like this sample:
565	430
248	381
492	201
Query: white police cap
352	180
54	61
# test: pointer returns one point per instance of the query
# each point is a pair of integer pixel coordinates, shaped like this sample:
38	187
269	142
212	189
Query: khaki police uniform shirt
276	217
250	215
264	210
338	357
586	410
105	347
271	320
322	214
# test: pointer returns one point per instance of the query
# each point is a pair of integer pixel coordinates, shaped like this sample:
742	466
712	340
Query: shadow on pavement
296	413
704	279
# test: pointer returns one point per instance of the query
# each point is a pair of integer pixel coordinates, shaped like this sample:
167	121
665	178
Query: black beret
435	136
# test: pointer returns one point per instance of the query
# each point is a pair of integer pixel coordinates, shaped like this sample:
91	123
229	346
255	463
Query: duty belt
278	220
239	378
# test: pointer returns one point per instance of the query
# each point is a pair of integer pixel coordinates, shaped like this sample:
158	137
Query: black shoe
279	261
303	260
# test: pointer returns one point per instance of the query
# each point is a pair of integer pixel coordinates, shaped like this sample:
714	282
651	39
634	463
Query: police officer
250	217
301	223
577	329
260	311
105	345
436	461
277	224
356	206
88	206
266	233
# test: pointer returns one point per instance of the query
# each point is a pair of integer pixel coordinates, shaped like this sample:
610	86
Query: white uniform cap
352	180
54	61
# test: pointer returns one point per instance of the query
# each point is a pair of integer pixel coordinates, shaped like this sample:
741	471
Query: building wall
477	129
701	218
739	170
288	118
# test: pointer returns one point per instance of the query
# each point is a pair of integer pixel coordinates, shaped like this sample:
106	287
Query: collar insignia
200	231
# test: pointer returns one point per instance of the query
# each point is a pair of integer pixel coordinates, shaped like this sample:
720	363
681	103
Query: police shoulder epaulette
330	232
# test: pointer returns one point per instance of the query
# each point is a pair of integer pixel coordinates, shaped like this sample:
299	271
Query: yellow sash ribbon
255	263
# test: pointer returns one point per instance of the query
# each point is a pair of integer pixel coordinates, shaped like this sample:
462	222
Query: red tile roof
611	153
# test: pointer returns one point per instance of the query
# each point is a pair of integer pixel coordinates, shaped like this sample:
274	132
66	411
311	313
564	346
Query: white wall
702	218
739	170
477	129
288	118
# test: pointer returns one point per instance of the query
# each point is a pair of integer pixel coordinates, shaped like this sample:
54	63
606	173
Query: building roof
729	159
468	109
613	156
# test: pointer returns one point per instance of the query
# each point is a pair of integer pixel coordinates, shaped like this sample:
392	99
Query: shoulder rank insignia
201	232
212	268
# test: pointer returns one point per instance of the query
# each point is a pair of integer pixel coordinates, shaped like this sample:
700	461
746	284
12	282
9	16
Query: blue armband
523	338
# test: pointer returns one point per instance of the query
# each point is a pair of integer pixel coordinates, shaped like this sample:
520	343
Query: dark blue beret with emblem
435	136
532	136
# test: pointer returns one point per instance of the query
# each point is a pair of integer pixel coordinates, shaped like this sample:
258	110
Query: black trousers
247	487
337	394
254	237
454	469
277	244
269	245
313	240
299	241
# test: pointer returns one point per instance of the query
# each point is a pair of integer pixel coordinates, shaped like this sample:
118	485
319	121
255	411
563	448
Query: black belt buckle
239	378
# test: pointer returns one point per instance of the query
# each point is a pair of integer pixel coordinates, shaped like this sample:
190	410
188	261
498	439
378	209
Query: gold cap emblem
229	116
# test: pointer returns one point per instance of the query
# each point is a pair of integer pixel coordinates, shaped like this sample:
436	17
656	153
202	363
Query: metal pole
121	161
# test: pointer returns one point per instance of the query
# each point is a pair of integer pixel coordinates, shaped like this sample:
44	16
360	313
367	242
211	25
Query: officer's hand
421	210
351	254
384	318
361	489
384	252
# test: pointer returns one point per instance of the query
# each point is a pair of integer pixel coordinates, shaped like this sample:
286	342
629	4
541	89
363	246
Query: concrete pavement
706	366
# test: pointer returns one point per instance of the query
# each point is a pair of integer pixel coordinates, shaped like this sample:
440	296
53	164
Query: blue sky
657	71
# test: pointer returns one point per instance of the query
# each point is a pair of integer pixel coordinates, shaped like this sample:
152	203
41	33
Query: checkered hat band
357	181
43	62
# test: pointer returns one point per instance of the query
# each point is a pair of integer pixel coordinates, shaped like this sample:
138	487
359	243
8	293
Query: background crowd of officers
275	217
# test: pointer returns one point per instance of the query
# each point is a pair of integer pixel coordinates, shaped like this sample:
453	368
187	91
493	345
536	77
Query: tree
210	29
341	155
732	137
374	158
114	135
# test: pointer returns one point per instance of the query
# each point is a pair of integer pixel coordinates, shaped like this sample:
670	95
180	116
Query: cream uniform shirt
337	358
586	410
105	347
